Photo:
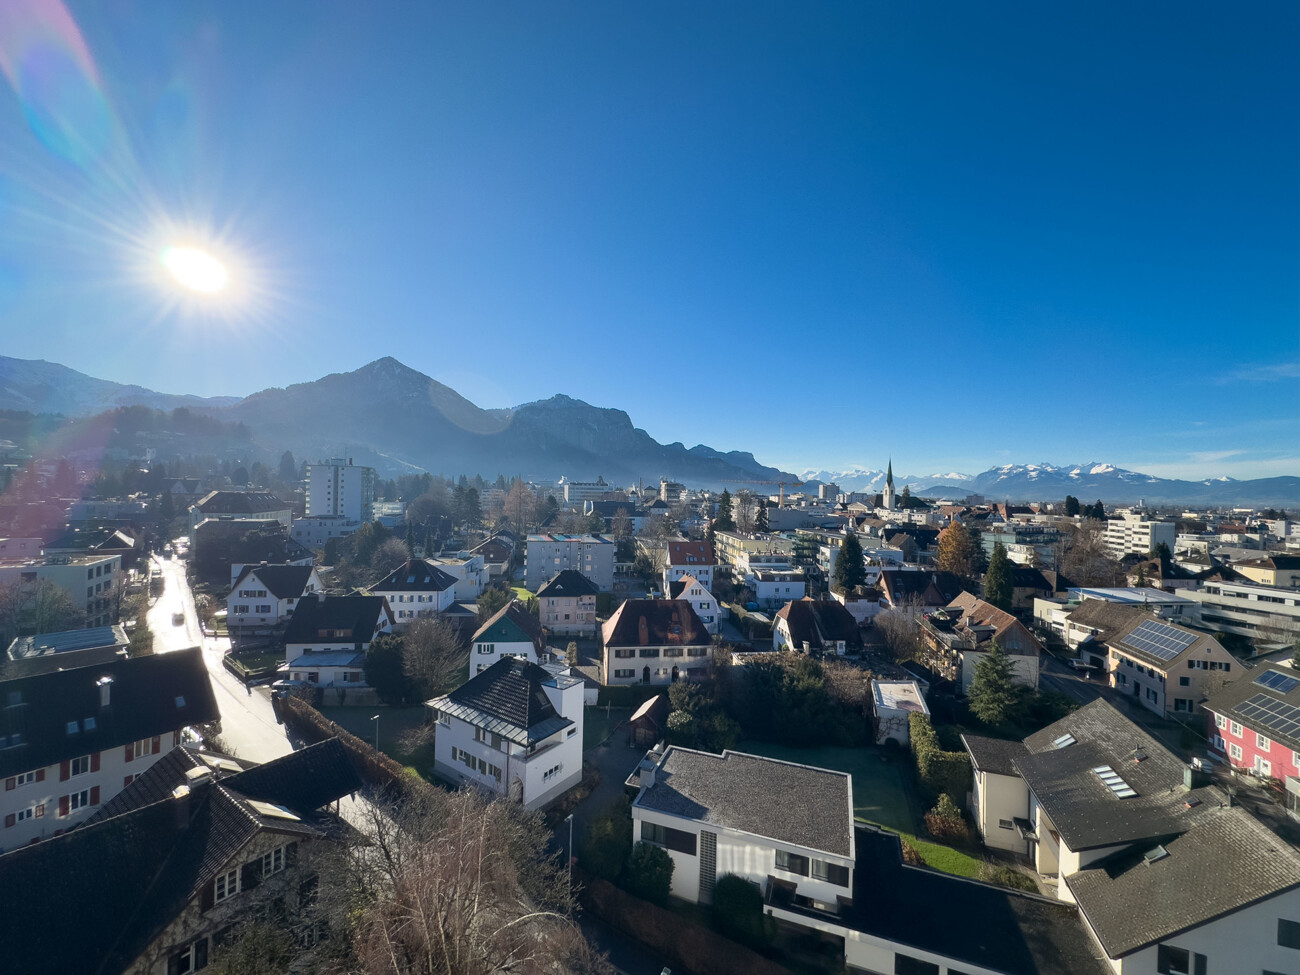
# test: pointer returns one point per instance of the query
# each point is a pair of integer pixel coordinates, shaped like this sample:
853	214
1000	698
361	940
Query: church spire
889	474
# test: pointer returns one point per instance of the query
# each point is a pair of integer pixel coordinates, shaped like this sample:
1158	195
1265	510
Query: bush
738	911
649	873
945	822
1003	876
938	771
606	841
911	856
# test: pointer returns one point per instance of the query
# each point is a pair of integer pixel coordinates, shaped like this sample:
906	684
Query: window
551	773
696	651
1184	682
1006	824
625	673
1235	729
1235	751
907	965
1220	721
273	862
1173	961
669	838
142	747
79	766
648	652
832	873
191	958
24	779
227	886
1262	743
264	610
624	652
444	718
79	800
792	863
486	648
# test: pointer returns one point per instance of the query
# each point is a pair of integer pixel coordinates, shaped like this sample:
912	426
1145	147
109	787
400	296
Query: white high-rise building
1134	532
339	488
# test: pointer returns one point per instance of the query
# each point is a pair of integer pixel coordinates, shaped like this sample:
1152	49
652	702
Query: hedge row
683	942
938	771
628	695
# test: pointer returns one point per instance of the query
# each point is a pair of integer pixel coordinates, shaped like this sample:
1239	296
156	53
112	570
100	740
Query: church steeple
887	496
889	473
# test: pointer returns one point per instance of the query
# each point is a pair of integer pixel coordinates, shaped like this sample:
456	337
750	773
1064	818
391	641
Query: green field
394	725
882	795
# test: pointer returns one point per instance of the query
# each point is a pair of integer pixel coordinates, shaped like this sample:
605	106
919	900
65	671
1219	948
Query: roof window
1064	741
1113	782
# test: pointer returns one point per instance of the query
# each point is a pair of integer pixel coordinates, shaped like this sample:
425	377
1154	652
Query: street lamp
375	719
569	819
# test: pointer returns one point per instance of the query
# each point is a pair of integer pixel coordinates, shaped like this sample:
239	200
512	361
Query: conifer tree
849	570
997	580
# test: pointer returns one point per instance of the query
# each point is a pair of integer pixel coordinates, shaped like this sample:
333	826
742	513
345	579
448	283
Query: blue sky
959	234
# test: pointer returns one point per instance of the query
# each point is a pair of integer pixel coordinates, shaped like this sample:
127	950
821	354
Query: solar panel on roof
1277	681
1159	639
1263	711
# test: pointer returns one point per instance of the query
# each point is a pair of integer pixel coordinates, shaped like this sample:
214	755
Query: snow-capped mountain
867	480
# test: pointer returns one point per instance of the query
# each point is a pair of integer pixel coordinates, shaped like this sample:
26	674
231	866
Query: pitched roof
679	586
977	612
131	874
1028	577
56	716
1106	618
798	804
507	699
281	581
690	553
352	618
240	503
655	623
568	582
1262	707
934	588
1134	640
819	623
996	755
415	575
1286	563
512	623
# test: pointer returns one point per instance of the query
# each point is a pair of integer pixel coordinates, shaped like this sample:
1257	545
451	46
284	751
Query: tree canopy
994	696
850	571
997	580
956	551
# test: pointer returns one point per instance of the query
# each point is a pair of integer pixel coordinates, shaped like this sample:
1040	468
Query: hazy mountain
396	417
37	386
867	481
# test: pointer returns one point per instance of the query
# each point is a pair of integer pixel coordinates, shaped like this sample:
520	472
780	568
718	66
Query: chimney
181	794
105	685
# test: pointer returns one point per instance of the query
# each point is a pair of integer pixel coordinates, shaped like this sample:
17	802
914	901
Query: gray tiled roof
797	804
282	581
1106	617
506	699
568	582
415	575
995	755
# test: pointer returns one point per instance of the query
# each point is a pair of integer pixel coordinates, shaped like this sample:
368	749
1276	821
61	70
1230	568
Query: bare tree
391	553
746	504
901	628
620	525
50	608
433	656
1086	561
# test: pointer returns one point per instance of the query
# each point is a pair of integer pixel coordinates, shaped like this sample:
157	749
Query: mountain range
399	420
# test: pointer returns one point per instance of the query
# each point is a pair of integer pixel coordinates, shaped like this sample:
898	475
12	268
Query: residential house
514	730
1257	726
416	589
273	548
697	594
1161	572
1281	571
248	507
92	582
1028	584
1169	669
469	571
655	641
862	602
912	590
962	633
162	876
327	636
693	559
1126	831
266	595
567	604
547	554
316	531
496	551
823	628
511	631
773	585
72	739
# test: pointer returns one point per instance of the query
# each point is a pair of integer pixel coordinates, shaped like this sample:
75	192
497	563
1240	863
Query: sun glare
195	269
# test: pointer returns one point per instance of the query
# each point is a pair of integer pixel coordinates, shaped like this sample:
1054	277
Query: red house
1257	723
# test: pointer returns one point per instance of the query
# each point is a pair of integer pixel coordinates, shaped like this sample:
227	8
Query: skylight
271	809
1113	782
1064	741
1159	853
180	700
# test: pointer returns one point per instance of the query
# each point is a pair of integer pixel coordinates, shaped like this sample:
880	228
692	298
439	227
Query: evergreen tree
288	468
725	521
1162	553
410	540
1071	505
760	516
383	670
994	696
907	490
850	572
997	580
473	508
956	551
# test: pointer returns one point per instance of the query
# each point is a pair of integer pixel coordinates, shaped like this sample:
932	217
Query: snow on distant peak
1101	469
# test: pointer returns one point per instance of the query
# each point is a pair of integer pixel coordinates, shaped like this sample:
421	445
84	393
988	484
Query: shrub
910	855
945	822
649	873
606	841
1004	876
938	771
738	911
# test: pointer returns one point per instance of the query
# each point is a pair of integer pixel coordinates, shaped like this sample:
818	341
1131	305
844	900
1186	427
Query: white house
1167	873
70	740
469	571
327	636
695	592
685	558
511	631
266	595
514	730
776	584
415	589
655	641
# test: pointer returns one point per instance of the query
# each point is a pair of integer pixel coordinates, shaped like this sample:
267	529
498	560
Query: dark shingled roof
128	876
281	581
995	755
569	582
668	622
354	615
415	575
933	588
1228	702
820	623
1106	618
985	926
149	696
239	503
797	804
508	700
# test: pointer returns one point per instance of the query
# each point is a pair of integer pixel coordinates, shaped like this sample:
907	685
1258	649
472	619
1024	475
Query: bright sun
195	269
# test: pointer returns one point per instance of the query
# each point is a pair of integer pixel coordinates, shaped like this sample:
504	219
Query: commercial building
1135	532
338	487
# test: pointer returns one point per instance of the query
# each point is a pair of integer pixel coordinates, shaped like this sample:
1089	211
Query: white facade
315	531
469	572
337	487
695	592
410	606
252	604
548	554
1133	532
996	800
1262	613
88	579
776	587
41	802
895	702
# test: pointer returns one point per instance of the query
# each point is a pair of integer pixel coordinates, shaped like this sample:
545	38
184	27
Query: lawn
882	791
598	723
394	724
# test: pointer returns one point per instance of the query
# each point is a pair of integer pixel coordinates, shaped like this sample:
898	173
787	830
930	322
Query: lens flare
195	269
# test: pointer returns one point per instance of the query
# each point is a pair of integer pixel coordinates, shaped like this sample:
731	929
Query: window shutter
201	954
126	780
63	805
11	783
176	738
156	746
64	771
10	820
94	795
290	855
174	964
130	752
40	775
1198	964
94	762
